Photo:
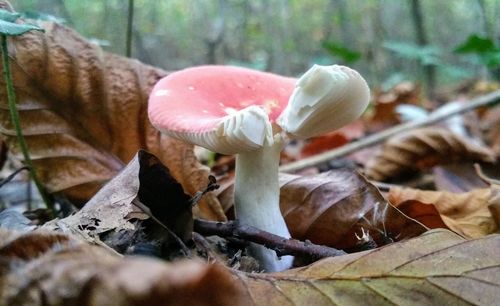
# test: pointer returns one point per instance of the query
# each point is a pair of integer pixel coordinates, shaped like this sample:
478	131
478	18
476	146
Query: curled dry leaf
112	208
423	148
84	115
468	214
332	207
42	268
437	268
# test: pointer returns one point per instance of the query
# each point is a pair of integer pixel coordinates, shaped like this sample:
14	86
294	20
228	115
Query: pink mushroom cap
198	105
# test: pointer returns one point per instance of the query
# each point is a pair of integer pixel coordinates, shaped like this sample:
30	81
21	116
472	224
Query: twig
420	182
12	175
211	186
282	246
14	114
147	211
484	177
488	99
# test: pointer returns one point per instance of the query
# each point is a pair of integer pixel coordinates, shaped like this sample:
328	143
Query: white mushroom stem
256	195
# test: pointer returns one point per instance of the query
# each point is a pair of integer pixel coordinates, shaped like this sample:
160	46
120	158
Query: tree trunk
216	36
429	71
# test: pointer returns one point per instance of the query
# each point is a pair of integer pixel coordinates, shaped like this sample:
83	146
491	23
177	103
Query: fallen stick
282	246
488	99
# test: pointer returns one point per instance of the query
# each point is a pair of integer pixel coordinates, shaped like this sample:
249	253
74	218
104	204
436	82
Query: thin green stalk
130	20
14	114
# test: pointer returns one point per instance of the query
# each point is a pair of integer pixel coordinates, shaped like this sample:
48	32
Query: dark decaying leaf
43	268
112	210
421	149
84	115
164	196
437	268
332	207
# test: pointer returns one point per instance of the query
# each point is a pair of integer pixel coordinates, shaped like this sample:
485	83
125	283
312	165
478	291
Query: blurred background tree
436	42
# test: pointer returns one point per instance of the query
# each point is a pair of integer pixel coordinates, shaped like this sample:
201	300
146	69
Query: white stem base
256	196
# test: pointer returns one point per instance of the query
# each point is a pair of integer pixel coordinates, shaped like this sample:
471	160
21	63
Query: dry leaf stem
11	97
282	246
485	100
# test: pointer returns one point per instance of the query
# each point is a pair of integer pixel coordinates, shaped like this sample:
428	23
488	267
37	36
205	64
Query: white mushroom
240	111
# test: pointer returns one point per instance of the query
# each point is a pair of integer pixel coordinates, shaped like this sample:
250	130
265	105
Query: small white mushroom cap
325	99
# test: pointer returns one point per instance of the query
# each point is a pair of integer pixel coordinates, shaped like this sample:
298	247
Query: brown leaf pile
468	214
84	115
42	268
331	207
437	268
423	148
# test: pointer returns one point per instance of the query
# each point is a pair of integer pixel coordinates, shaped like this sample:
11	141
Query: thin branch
12	175
485	100
282	246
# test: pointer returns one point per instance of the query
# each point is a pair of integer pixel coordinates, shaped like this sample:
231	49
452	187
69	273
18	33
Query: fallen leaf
323	143
316	145
421	149
465	213
385	104
43	268
164	196
459	177
84	115
112	210
332	207
436	268
491	126
426	214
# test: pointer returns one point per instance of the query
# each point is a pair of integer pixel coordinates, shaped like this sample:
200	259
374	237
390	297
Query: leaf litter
338	208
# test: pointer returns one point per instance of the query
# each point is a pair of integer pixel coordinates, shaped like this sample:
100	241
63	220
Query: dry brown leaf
112	209
43	268
491	126
460	177
84	114
331	207
465	213
423	148
437	268
385	104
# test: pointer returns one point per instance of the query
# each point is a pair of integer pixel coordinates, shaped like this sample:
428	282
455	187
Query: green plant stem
14	114
130	20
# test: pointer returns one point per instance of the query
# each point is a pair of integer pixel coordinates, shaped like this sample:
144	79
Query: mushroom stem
256	196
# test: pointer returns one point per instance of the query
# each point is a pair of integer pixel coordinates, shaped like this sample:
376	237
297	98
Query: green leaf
426	55
476	44
8	16
9	27
482	48
492	59
344	53
42	16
